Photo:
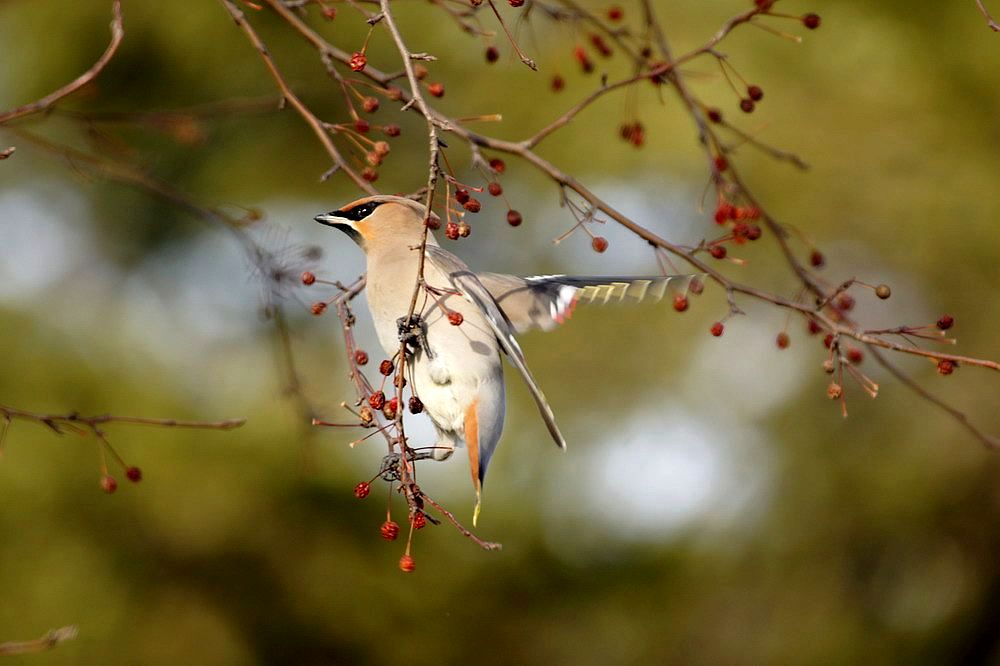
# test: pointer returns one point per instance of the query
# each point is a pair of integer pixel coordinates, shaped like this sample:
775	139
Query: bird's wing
473	290
545	301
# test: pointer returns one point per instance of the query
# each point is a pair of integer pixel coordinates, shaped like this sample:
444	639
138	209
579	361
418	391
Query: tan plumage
456	370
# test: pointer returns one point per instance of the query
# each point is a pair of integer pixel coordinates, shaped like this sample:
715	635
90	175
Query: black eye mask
359	212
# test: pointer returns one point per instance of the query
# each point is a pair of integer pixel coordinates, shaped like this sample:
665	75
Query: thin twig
46	642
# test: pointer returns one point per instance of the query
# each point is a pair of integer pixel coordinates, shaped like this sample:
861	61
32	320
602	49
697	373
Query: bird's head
378	220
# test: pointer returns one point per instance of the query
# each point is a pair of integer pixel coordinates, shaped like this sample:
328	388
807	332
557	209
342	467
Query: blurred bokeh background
713	506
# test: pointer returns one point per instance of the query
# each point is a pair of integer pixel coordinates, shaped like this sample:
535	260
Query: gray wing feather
473	290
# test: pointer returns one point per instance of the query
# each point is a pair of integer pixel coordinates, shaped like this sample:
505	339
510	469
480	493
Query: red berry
944	367
390	530
945	322
362	125
318	308
472	205
377	400
558	83
828	340
811	21
764	5
461	195
361	357
600	45
753	232
370	104
782	340
615	13
515	3
714	115
854	355
492	54
407	564
599	243
718	251
436	89
392	130
721	164
390	408
451	231
134	474
514	218
420	72
362	489
756	93
464	230
585	62
455	318
419	521
108	484
495	189
416	405
680	303
308	278
717	328
834	391
813	327
329	13
723	212
357	61
844	302
369	174
816	259
746	105
498	165
385	367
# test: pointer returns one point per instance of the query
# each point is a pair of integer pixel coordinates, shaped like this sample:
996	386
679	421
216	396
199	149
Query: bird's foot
390	463
413	333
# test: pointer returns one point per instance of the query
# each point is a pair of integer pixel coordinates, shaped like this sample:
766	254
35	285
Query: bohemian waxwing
456	369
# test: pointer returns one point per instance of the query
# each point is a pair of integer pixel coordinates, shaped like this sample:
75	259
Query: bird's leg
413	332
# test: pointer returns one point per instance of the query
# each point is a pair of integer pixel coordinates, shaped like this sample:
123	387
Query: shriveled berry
461	195
361	357
714	115
754	232
451	231
599	243
455	318
108	484
399	381
498	165
829	366
367	415
318	308
514	218
389	530
782	340
844	302
680	303
883	291
854	355
392	130
464	230
370	174
946	366
307	278
718	251
357	61
816	259
813	327
811	21
370	104
828	340
394	93
329	13
436	89
717	329
416	405
586	64
386	367
133	474
515	3
834	391
721	164
390	408
558	83
420	72
362	125
472	205
362	490
376	400
492	54
756	93
407	564
945	322
746	105
723	212
600	45
696	286
495	189
381	148
419	520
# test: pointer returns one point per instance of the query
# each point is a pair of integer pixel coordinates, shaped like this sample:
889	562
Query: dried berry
782	340
495	189
834	391
369	174
392	130
854	355
108	484
451	231
558	83
318	308
472	205
407	564
721	164
811	21
376	400
714	115
615	13
133	474
599	243
436	89
389	530
455	318
362	489
386	367
946	366
361	357
370	104
461	195
416	405
308	278
390	408
419	520
464	230
816	259
357	61
813	327
945	322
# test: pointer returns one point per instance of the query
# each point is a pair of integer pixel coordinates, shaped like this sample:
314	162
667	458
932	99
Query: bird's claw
413	333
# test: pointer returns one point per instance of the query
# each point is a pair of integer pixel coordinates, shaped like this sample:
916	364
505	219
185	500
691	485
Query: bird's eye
360	211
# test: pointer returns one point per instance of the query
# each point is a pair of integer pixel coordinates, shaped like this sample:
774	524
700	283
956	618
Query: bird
463	322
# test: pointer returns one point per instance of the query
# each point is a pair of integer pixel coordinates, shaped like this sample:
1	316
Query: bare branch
46	642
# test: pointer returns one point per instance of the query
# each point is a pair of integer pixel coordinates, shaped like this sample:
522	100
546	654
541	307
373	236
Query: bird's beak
337	222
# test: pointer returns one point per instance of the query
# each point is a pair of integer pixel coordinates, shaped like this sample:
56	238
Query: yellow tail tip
479	505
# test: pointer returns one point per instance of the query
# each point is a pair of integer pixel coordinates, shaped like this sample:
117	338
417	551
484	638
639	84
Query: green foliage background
713	507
